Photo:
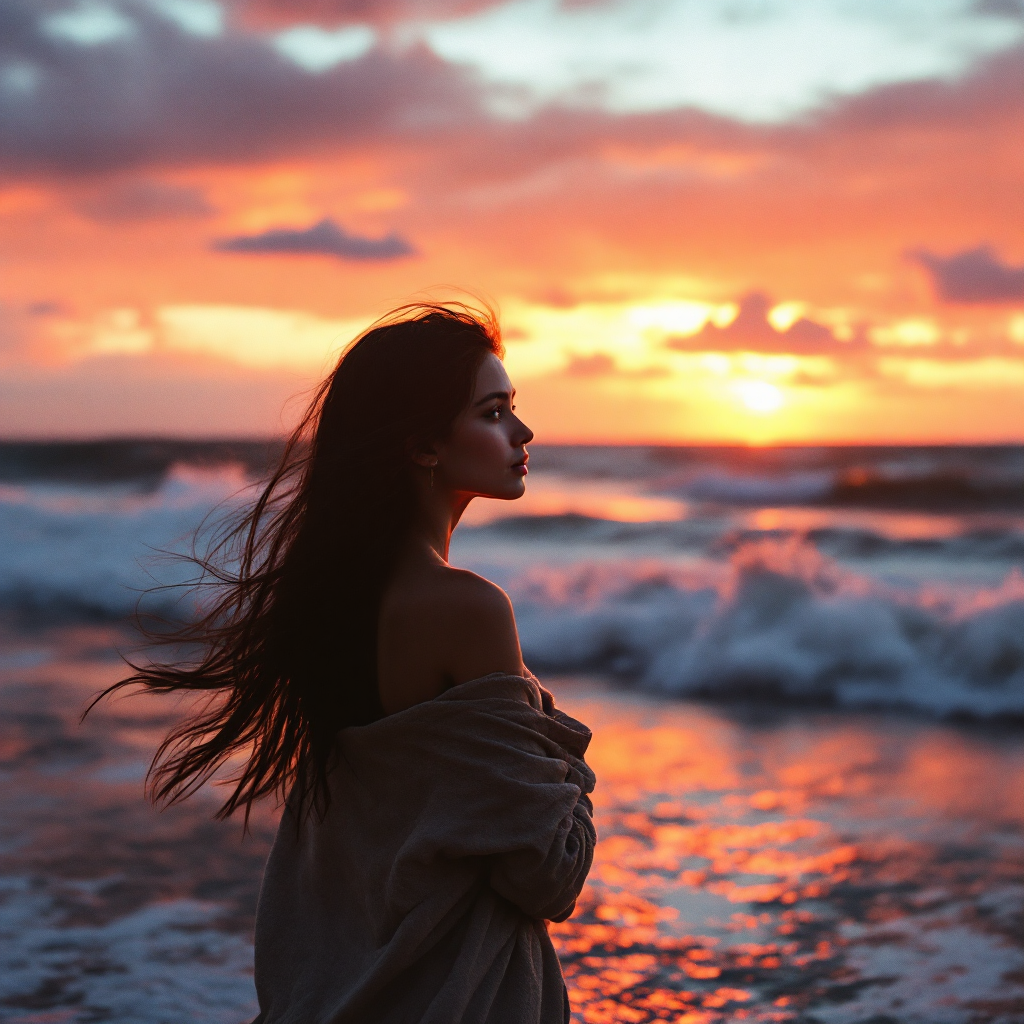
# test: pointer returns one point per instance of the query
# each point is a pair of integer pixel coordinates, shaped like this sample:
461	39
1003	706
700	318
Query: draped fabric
456	829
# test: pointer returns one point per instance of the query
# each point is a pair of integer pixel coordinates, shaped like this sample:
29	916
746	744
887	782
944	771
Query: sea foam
693	608
785	624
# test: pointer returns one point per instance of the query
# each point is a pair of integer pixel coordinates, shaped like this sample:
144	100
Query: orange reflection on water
755	872
830	867
551	495
896	525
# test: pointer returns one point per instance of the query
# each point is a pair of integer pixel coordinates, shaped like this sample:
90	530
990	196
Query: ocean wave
711	535
957	491
751	489
91	553
941	490
785	624
145	463
751	615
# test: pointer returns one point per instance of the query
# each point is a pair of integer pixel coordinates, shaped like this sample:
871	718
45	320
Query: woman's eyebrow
495	394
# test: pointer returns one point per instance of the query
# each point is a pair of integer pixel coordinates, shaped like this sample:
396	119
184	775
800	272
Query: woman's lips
520	467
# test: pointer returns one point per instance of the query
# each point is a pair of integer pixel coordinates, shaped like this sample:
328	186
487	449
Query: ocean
805	671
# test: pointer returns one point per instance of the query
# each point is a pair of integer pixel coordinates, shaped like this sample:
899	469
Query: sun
759	396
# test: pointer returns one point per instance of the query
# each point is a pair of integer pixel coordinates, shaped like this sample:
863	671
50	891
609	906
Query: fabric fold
455	830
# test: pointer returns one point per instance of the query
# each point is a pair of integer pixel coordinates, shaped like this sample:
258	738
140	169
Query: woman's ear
422	455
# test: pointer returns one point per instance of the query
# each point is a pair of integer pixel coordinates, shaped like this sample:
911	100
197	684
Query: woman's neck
439	514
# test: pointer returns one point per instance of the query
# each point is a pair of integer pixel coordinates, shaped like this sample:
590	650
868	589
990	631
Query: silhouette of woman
436	803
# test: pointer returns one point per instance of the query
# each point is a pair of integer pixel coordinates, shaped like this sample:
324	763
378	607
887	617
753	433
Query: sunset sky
702	220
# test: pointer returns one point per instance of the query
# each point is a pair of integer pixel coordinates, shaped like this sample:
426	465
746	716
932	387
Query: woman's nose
525	435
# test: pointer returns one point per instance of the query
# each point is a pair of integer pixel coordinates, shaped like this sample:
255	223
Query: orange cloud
752	331
119	169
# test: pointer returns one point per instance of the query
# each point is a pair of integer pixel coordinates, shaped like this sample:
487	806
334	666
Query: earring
432	476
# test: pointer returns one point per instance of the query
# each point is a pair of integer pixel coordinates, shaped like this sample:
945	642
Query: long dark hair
288	647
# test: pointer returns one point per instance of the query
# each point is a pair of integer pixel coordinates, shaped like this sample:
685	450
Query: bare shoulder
477	626
461	593
444	592
443	627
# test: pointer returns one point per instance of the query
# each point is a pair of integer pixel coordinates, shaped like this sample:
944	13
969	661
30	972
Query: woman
437	809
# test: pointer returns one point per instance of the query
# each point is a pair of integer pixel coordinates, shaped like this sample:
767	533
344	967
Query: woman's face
485	454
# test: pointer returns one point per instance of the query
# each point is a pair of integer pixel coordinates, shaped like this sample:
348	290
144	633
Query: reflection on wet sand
816	867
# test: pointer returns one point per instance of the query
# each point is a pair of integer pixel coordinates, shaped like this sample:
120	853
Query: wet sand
807	866
821	867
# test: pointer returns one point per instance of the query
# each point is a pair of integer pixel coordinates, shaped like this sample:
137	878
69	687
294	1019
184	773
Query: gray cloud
145	200
751	331
325	238
46	307
999	8
974	276
159	94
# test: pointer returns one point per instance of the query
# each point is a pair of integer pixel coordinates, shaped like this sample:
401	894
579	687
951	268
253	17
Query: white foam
776	619
127	969
751	489
786	623
94	550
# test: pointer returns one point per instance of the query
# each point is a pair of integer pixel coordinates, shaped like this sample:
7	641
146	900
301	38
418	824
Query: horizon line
558	443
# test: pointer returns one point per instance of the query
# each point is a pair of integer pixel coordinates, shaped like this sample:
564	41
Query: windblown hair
287	650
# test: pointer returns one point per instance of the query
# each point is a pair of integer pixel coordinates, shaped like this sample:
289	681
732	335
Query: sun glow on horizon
615	369
758	396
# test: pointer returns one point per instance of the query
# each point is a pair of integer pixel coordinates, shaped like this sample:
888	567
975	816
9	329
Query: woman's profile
436	803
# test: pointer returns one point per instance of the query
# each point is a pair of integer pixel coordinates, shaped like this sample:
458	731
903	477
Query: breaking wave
749	616
784	624
944	490
91	553
994	543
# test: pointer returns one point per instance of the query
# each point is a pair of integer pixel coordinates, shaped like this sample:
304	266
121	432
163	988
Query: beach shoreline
816	866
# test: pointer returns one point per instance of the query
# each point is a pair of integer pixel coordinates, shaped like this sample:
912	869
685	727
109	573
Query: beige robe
456	829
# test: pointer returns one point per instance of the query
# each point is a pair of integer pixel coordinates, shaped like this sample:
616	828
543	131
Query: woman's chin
511	491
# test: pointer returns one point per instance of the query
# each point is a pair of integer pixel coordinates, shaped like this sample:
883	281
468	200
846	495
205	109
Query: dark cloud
325	238
976	104
161	95
145	200
974	276
999	8
46	307
678	192
752	331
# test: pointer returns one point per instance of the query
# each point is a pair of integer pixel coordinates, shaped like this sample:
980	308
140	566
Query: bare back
440	627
